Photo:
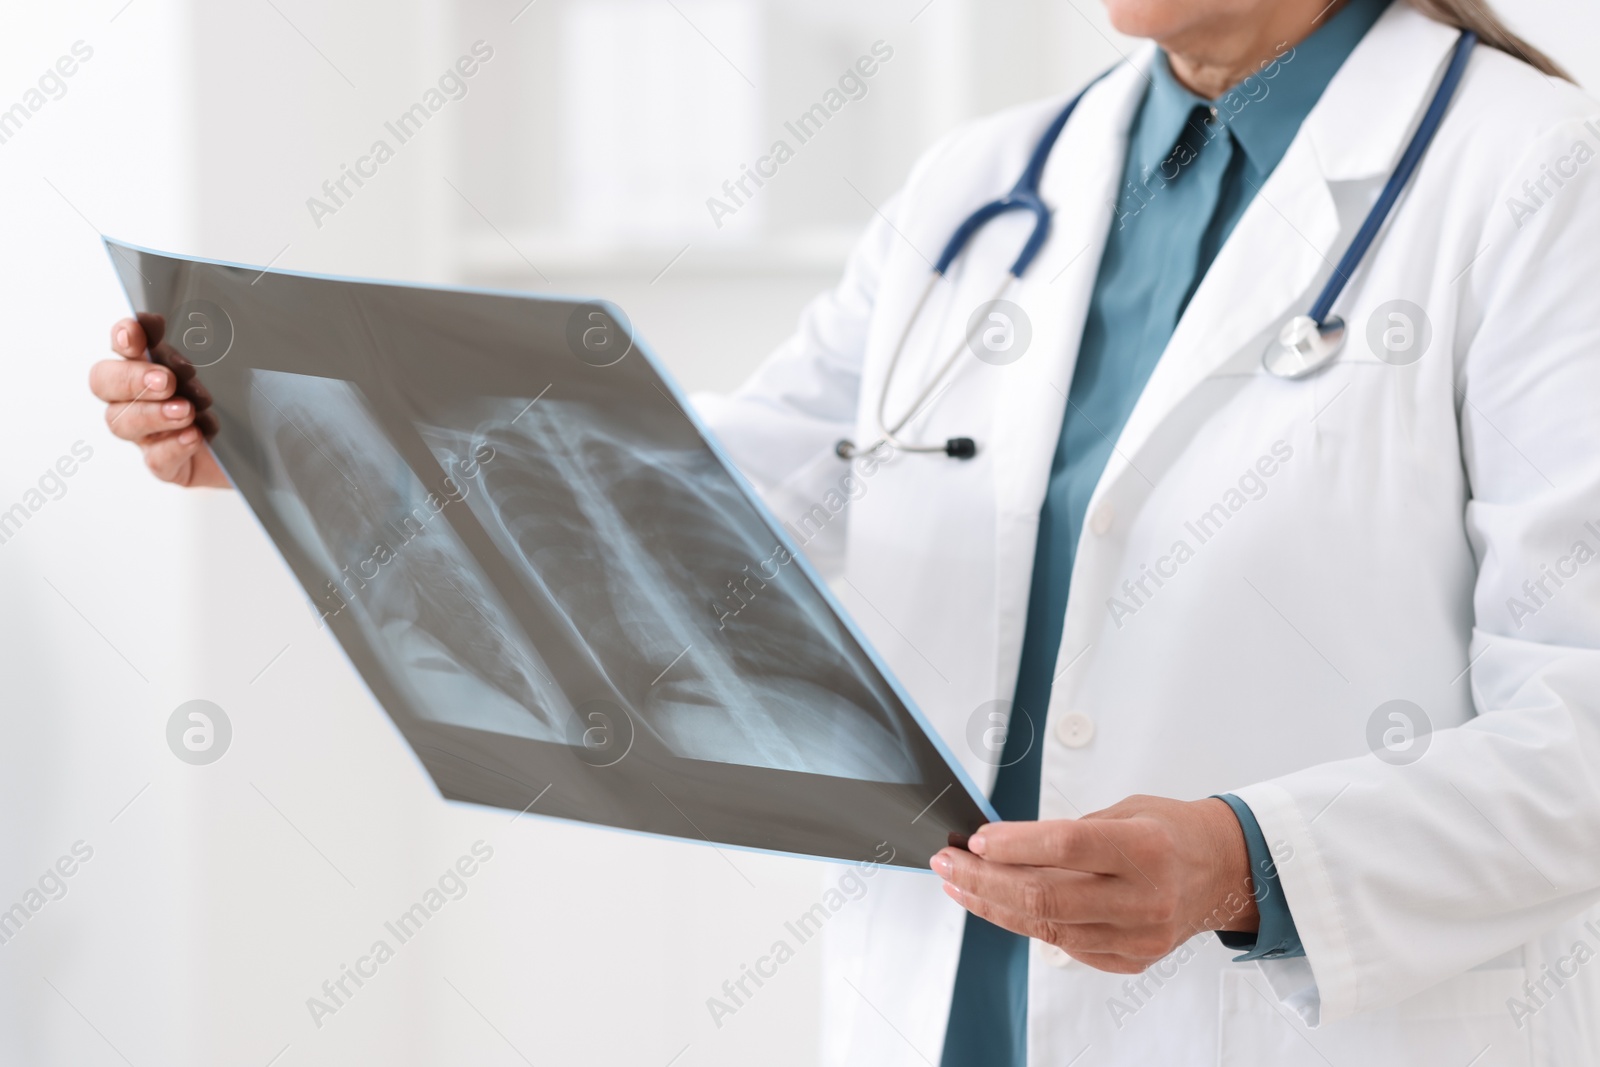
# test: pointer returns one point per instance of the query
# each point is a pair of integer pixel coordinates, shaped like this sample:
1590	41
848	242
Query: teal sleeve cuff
1276	938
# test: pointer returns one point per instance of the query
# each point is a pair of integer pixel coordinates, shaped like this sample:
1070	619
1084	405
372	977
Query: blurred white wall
217	899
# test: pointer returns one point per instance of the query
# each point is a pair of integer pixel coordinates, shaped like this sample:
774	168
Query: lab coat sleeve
780	428
1402	877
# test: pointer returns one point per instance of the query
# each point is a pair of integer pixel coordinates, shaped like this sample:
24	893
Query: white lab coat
1405	509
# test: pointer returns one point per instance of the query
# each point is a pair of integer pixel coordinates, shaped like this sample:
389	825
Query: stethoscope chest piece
1304	346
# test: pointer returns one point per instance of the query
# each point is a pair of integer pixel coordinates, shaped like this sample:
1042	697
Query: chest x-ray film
561	593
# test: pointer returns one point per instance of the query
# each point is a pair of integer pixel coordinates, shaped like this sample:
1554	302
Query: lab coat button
1100	522
1075	729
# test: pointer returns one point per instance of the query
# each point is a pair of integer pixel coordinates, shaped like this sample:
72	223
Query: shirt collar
1263	112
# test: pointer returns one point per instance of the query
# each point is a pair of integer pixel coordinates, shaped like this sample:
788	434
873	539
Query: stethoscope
1305	345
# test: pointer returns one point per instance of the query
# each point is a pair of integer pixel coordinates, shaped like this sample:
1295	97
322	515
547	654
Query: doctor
1271	540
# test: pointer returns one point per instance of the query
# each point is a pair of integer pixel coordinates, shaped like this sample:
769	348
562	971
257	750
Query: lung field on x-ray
625	546
393	564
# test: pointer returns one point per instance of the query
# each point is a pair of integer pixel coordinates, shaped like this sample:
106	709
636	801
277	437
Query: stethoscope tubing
1025	196
1431	120
929	391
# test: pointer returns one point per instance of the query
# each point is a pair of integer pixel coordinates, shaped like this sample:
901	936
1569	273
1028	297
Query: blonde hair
1477	16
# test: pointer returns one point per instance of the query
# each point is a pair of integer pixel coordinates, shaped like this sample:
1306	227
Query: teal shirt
1188	177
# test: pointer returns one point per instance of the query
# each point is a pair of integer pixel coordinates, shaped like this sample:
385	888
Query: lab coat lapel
1285	245
1079	184
1282	246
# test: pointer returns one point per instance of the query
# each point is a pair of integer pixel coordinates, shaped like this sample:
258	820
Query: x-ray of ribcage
394	563
660	527
570	503
549	578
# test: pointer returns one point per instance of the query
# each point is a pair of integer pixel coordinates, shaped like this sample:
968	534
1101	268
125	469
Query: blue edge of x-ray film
682	400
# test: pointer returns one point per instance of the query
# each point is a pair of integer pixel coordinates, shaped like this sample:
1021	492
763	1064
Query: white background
219	898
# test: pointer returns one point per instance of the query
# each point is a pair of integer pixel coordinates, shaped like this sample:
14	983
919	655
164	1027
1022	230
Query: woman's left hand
1118	889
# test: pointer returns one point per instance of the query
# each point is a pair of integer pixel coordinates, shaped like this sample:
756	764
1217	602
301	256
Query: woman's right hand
154	408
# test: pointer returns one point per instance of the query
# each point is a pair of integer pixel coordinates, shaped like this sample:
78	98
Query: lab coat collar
1080	184
1287	240
1362	124
1282	247
1267	109
1263	112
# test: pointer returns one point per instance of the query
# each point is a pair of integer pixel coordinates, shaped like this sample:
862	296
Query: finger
198	395
167	455
1101	846
128	339
1135	943
175	361
1056	895
1006	918
114	380
138	420
1114	964
154	327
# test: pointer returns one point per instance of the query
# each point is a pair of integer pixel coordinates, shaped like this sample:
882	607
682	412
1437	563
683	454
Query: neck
1212	57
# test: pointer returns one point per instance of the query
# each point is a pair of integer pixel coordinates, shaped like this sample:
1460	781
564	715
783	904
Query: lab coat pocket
1460	1021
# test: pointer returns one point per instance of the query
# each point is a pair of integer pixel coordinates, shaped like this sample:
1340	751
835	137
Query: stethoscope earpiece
955	448
961	448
